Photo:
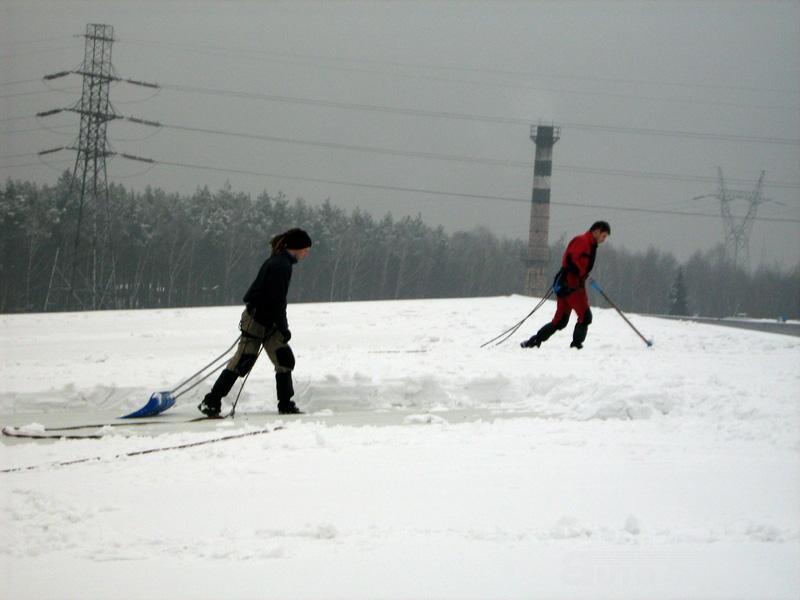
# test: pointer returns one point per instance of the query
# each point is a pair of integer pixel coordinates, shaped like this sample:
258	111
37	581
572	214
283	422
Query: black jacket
266	298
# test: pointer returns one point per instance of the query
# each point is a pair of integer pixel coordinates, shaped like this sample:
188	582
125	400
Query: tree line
173	250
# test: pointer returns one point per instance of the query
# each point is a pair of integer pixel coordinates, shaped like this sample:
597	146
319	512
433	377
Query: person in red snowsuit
569	287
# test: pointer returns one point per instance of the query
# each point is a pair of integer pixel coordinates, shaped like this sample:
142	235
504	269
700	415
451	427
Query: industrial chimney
537	277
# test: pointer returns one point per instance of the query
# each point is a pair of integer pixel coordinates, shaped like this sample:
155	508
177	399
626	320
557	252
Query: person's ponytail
278	243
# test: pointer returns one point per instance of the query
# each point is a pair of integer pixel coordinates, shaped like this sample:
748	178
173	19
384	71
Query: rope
143	452
199	381
514	328
188	379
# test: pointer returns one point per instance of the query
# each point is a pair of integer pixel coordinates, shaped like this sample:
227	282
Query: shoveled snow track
22	432
61	425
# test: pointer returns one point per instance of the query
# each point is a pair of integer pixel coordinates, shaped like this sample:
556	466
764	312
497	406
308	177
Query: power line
460	116
447	157
477	117
40	128
19	81
520	86
34	93
665	176
19	155
528	74
20	118
467	159
416	190
42	51
437	192
685	134
106	78
32	164
417	112
55	38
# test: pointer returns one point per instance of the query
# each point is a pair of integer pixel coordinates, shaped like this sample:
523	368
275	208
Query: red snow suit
577	264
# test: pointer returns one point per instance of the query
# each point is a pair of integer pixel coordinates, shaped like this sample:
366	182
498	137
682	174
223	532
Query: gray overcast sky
296	70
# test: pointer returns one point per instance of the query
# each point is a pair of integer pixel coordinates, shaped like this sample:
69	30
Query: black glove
287	335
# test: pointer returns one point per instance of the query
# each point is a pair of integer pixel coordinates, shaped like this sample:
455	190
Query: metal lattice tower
537	278
737	230
92	278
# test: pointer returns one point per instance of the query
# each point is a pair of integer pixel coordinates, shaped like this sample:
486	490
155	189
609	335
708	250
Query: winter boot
533	342
288	408
283	383
542	335
579	335
211	405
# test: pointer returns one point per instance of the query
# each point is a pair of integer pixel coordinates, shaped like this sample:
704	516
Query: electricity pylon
737	230
92	278
91	283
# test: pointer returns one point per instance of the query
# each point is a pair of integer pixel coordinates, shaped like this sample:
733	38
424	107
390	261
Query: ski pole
514	328
594	284
232	414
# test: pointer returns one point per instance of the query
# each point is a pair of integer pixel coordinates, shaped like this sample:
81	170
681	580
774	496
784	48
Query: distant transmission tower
92	278
91	283
737	230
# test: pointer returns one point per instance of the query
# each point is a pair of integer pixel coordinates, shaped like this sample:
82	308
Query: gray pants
254	336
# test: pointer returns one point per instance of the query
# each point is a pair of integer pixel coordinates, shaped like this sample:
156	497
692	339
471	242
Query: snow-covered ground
426	467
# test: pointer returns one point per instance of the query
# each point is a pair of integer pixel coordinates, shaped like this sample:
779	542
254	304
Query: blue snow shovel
161	401
158	403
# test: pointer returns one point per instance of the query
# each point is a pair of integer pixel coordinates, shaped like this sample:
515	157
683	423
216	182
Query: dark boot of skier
212	403
264	325
569	287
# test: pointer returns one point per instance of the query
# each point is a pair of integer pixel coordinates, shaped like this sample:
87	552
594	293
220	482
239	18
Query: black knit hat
296	239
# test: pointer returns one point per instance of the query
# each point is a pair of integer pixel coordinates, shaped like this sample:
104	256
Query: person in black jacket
264	324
